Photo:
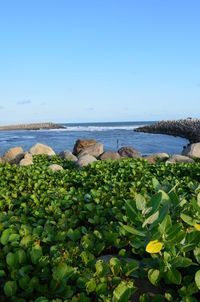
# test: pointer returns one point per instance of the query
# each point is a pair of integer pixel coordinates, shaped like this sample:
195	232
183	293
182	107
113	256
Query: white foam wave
93	128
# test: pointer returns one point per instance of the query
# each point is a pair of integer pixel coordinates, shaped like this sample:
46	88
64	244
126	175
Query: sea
113	136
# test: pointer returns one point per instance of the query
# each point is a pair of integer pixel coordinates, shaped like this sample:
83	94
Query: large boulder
82	153
85	160
55	167
192	150
129	152
109	155
13	155
27	160
176	158
153	158
91	146
41	149
68	155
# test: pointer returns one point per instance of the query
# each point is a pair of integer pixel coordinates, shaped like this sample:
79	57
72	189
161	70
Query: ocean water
112	135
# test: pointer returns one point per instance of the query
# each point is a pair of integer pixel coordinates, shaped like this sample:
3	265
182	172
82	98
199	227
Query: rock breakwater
187	128
36	126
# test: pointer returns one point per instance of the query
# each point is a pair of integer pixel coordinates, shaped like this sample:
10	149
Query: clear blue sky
99	60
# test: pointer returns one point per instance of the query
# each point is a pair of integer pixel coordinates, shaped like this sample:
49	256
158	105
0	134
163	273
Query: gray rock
13	155
27	160
66	154
153	158
176	158
109	155
82	153
192	150
55	167
85	160
91	146
41	149
129	152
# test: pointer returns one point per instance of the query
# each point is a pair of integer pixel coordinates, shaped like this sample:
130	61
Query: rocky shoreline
87	151
35	126
187	128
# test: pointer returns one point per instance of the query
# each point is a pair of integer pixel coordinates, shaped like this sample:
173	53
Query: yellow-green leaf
154	246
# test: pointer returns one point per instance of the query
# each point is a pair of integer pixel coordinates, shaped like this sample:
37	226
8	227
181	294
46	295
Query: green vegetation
54	226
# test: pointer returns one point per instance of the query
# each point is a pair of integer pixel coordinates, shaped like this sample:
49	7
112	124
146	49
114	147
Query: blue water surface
112	135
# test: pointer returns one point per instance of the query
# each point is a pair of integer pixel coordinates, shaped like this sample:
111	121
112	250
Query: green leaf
140	202
62	271
151	219
173	231
11	259
36	254
24	282
174	276
181	262
197	279
21	255
41	299
134	231
14	237
163	211
187	219
195	205
154	276
2	273
154	203
165	224
156	184
10	288
91	286
123	292
130	267
197	254
5	236
101	268
115	266
131	212
74	235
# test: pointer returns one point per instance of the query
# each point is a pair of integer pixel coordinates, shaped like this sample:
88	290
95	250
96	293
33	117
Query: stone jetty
187	128
36	126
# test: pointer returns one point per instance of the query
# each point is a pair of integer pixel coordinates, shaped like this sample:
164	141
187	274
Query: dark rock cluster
187	128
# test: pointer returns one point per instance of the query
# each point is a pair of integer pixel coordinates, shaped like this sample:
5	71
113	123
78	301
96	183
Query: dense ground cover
54	226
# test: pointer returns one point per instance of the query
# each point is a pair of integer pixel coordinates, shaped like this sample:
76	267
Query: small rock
176	158
129	152
153	158
91	146
13	155
41	149
109	155
192	150
68	155
85	160
55	167
27	160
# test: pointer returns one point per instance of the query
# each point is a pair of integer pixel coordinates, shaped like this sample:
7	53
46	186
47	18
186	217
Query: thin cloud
89	109
24	102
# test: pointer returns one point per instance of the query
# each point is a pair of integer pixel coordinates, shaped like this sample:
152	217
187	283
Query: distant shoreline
34	126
